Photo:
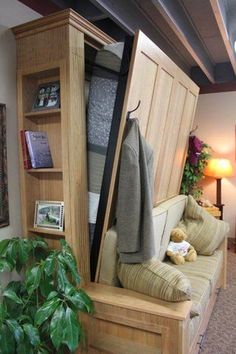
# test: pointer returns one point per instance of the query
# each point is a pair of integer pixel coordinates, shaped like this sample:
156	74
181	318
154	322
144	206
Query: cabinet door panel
167	104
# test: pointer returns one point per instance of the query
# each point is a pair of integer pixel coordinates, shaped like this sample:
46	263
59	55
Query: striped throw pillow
205	233
155	278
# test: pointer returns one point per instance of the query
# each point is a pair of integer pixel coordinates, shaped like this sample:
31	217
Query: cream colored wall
216	120
12	13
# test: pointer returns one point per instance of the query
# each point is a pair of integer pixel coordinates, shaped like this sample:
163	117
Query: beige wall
216	120
11	13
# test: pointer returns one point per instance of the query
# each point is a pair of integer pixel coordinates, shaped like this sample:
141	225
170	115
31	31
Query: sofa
159	307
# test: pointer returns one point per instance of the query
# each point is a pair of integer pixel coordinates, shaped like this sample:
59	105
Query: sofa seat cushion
156	279
205	233
203	275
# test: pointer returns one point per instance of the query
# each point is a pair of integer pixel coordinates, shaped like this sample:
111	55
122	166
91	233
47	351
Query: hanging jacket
135	198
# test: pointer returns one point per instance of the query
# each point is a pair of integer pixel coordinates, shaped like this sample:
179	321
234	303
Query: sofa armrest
132	300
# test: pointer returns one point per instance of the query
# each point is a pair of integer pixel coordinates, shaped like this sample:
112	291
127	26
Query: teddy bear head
178	235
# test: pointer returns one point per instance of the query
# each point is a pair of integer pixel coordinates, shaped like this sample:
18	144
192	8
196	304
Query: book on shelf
39	150
25	151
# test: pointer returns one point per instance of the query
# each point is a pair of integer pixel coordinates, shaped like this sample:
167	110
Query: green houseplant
39	313
197	158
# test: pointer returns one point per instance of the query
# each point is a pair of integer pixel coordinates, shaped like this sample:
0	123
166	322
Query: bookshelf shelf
47	231
44	170
43	113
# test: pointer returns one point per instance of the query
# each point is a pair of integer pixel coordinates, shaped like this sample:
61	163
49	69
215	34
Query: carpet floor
220	335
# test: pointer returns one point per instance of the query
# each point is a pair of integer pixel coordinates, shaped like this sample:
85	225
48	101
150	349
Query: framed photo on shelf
47	97
49	215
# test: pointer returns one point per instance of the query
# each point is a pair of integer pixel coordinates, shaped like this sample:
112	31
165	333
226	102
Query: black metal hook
133	110
192	131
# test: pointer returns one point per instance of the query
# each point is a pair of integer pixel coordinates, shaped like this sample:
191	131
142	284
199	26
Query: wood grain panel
181	146
117	339
158	114
169	142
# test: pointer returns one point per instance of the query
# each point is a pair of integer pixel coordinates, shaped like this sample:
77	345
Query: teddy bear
180	250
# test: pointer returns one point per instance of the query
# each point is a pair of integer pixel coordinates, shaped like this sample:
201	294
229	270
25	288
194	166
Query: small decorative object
39	149
48	96
40	312
180	250
49	215
196	161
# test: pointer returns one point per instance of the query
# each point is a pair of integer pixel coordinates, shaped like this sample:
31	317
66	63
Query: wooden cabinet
53	49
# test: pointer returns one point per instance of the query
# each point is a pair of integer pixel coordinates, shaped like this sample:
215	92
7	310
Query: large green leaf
23	251
57	326
68	258
15	329
32	333
25	347
81	301
62	279
7	342
3	246
5	265
46	284
72	330
46	310
49	264
42	351
2	313
33	277
10	294
39	243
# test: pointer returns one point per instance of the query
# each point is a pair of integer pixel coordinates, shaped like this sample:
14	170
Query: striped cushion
156	279
205	233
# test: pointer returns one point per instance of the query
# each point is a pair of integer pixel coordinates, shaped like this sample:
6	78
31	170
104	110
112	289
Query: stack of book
35	149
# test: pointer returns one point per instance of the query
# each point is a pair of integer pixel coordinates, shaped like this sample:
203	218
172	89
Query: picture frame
47	96
49	215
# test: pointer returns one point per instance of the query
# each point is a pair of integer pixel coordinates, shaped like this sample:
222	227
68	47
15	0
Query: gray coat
135	198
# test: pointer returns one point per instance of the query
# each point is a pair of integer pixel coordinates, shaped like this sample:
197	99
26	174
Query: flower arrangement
196	161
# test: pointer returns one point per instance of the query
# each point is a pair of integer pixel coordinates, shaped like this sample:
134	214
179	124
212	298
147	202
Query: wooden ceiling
198	35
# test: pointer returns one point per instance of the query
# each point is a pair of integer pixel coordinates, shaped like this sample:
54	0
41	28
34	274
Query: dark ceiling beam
177	19
86	9
220	17
223	73
44	8
128	16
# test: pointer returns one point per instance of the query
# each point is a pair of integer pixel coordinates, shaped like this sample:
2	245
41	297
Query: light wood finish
168	101
128	322
214	211
51	49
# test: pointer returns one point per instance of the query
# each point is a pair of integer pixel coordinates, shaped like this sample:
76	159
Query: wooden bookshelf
51	49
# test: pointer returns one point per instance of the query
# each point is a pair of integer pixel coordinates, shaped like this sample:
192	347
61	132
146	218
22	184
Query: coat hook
133	110
192	131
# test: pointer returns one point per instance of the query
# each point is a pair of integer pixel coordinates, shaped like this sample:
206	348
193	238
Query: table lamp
218	169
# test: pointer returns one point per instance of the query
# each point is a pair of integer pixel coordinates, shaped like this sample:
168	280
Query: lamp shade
219	168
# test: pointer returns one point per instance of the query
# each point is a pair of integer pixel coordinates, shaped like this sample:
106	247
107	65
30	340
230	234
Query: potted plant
39	313
196	161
